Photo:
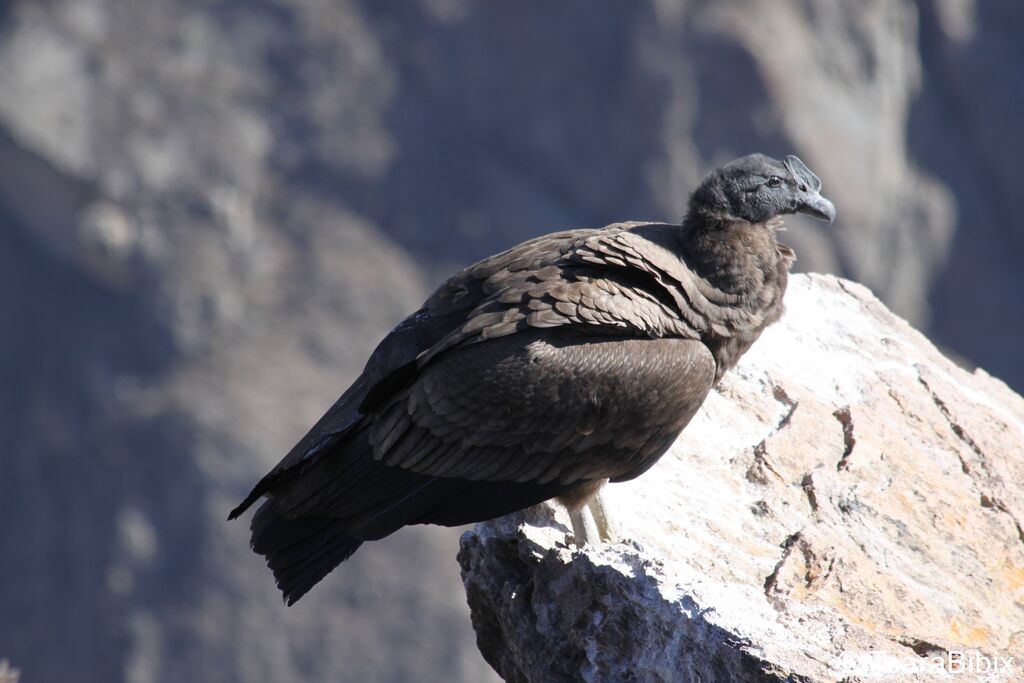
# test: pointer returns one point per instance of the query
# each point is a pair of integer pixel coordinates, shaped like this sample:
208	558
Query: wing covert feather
545	406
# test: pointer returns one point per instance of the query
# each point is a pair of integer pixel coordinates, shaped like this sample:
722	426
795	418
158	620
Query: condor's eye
774	181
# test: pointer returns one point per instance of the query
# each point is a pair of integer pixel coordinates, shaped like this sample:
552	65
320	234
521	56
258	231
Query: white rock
847	504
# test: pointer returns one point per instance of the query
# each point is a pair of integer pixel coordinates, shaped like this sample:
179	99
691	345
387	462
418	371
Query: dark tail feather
253	496
335	503
300	552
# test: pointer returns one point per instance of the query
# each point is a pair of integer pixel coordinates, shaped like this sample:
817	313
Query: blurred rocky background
211	210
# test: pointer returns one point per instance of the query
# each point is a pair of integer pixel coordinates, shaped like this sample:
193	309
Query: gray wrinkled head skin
757	188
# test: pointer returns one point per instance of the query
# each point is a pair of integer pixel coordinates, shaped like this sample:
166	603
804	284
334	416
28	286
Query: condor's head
756	189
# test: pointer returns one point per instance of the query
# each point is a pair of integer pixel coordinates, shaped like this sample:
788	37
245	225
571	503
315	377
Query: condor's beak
816	206
809	199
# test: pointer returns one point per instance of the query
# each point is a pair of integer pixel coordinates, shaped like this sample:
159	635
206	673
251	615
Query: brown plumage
540	372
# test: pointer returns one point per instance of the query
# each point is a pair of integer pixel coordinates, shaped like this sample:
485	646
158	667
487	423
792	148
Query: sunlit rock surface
847	501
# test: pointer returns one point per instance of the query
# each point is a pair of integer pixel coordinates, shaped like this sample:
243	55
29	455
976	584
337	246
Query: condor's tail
299	552
319	512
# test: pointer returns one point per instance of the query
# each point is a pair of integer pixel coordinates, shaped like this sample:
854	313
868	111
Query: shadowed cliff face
210	212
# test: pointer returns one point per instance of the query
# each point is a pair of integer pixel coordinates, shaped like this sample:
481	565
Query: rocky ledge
848	505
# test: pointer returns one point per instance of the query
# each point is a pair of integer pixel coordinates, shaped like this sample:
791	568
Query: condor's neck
736	257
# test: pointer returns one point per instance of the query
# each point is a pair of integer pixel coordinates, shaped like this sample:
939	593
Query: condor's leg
588	514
